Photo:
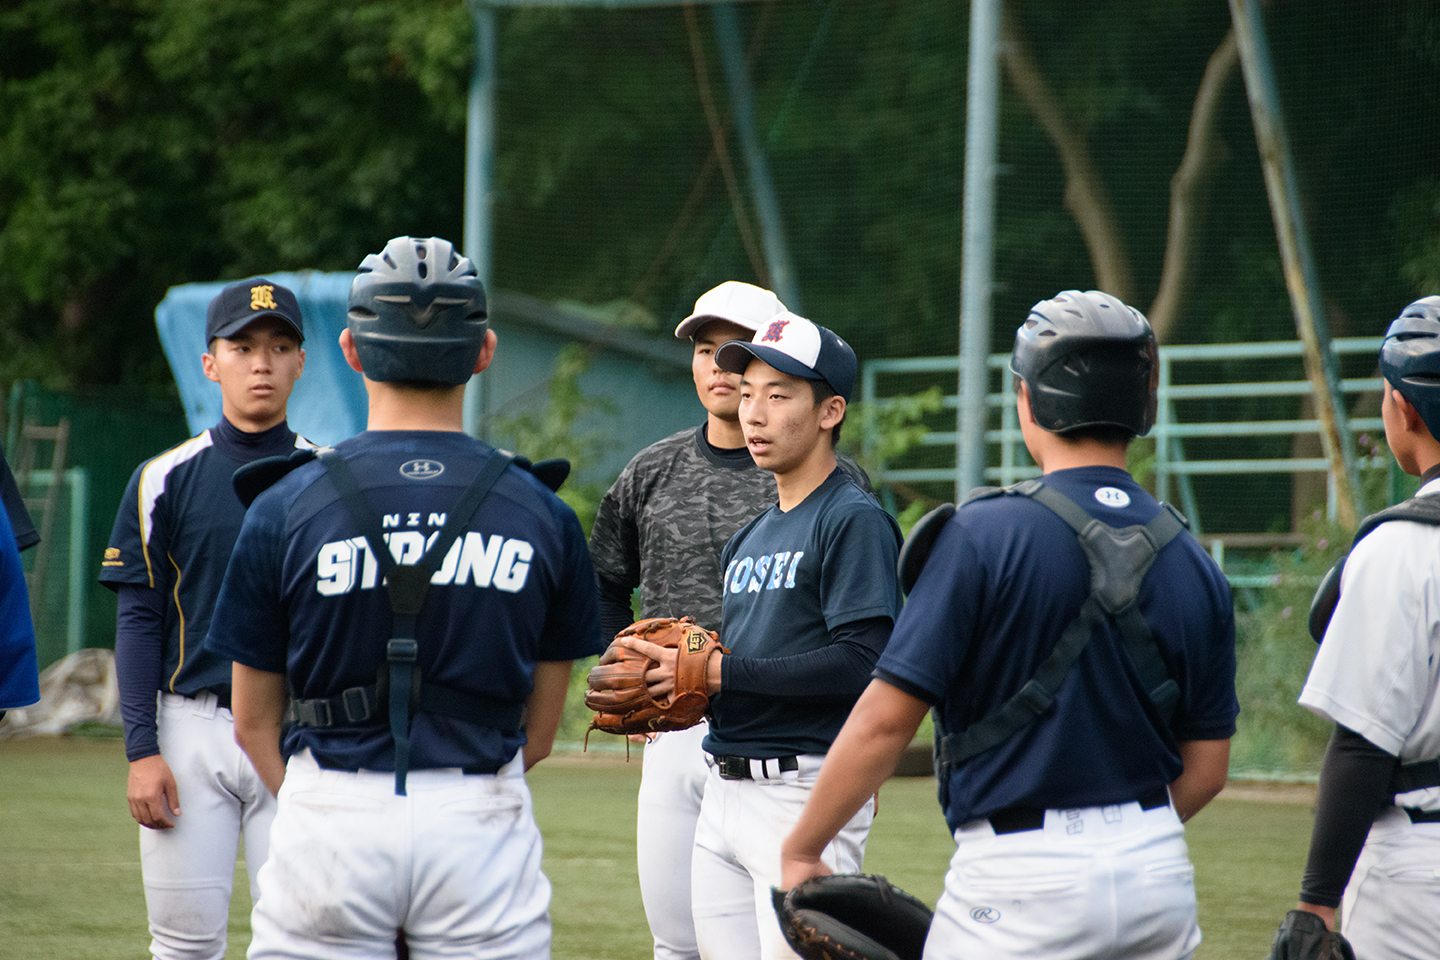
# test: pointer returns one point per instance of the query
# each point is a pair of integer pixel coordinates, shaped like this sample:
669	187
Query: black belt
1020	819
222	695
1422	816
738	768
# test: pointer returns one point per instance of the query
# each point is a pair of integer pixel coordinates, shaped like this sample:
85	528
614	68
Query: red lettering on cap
774	331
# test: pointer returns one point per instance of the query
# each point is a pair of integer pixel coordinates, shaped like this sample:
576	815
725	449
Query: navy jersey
791	577
176	525
1006	577
302	595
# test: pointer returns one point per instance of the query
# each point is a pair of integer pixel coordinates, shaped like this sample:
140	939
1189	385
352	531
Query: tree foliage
145	143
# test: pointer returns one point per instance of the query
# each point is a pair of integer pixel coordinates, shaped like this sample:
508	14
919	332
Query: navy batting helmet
417	312
1410	358
1087	360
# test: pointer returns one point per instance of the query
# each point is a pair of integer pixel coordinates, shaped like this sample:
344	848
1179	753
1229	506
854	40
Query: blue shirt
302	596
1006	577
19	675
791	579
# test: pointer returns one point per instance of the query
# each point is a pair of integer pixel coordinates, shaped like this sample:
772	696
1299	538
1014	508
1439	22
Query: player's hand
795	869
661	677
152	793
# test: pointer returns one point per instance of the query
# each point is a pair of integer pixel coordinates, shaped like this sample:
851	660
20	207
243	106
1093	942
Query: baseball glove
1304	936
852	916
621	698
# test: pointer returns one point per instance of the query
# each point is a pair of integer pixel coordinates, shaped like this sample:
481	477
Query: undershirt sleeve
138	630
839	671
615	610
1354	784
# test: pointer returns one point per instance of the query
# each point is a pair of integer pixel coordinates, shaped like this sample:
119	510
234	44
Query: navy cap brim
735	356
235	326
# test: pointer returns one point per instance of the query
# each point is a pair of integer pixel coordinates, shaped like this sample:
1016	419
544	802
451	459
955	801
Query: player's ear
487	351
1408	414
1022	401
207	364
833	411
347	347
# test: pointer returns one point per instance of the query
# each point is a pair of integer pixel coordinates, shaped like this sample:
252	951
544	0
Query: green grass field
70	872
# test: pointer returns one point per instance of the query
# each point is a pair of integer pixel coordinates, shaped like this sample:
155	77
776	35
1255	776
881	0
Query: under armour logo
775	331
262	297
984	914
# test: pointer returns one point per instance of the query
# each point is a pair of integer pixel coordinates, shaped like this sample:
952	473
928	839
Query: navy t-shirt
1006	577
792	577
302	595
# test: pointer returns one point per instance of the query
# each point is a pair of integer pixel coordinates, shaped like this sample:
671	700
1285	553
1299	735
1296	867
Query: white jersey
1378	670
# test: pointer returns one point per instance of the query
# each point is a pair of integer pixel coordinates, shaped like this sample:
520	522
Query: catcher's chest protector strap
1422	773
1119	559
406	586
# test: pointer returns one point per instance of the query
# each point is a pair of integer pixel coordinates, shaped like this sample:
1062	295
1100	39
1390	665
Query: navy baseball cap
240	303
798	347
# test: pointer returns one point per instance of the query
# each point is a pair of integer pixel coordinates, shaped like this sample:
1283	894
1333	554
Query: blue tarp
329	402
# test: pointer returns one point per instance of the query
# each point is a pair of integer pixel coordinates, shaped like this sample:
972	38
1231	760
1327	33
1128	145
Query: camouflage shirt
667	517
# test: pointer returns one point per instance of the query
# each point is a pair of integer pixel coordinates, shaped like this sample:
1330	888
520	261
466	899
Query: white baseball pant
1391	908
189	870
1112	882
737	857
672	783
455	863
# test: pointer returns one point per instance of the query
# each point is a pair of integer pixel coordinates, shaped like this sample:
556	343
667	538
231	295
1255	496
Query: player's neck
404	408
1056	453
724	434
793	486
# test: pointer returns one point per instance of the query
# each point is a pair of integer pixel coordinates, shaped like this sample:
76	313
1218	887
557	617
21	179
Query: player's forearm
258	704
1353	788
139	626
839	671
615	611
862	758
1207	765
544	709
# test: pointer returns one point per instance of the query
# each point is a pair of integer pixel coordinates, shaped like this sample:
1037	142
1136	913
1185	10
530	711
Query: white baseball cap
734	301
796	346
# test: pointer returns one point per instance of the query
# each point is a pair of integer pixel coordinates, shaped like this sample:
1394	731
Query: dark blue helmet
417	313
1410	358
1087	360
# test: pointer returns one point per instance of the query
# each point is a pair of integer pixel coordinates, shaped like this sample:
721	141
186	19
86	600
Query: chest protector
1119	558
399	690
1426	510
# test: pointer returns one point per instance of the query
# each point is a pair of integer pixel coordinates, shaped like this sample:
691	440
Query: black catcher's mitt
853	916
1304	936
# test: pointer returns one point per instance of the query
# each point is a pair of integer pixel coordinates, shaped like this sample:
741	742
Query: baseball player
1376	676
662	526
190	788
809	597
420	597
1074	678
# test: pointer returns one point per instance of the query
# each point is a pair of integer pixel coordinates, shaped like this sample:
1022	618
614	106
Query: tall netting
1128	162
625	184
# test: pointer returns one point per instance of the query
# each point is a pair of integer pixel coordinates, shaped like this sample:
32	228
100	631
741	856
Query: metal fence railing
1194	398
